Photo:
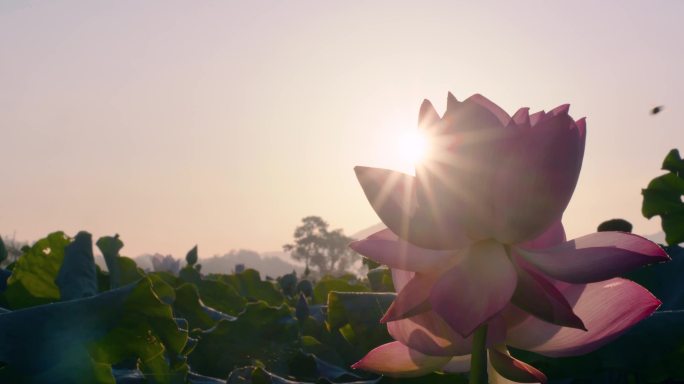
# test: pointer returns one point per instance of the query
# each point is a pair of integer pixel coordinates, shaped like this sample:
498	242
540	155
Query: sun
413	146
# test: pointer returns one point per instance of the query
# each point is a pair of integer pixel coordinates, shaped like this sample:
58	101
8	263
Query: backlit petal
412	299
393	197
458	364
429	334
521	118
514	369
400	278
538	296
474	113
595	257
608	308
554	235
494	109
391	194
476	289
454	179
397	360
537	178
427	117
387	248
537	117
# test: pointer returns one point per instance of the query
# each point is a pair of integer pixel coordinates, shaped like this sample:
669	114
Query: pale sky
223	123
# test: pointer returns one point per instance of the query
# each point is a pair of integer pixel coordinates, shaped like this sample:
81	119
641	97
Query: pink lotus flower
479	228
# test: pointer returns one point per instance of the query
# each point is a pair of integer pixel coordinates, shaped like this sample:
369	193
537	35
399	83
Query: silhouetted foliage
663	197
288	283
191	257
621	225
3	250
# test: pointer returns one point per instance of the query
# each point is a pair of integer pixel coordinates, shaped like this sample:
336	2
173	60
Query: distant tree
309	242
167	263
340	256
13	249
319	247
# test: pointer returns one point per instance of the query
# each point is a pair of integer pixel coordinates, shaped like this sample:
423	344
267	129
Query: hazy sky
223	123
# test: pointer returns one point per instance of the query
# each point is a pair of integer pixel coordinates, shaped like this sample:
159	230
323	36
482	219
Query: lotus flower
479	228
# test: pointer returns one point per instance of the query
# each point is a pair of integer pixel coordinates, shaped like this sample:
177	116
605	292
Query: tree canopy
318	246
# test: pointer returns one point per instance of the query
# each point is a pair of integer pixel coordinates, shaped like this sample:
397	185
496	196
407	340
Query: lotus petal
475	113
387	248
412	299
537	179
429	334
595	257
427	117
537	117
393	197
397	360
554	235
494	109
514	369
521	118
608	308
539	297
458	364
400	278
475	290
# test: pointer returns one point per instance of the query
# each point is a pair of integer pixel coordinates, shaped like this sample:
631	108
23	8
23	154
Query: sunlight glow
413	146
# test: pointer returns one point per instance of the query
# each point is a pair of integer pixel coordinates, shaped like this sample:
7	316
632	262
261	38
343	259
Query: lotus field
473	280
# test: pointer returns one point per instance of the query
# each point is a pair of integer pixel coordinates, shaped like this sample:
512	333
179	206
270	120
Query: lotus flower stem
478	362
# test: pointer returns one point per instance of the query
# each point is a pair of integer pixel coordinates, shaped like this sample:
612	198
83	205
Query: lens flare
413	146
